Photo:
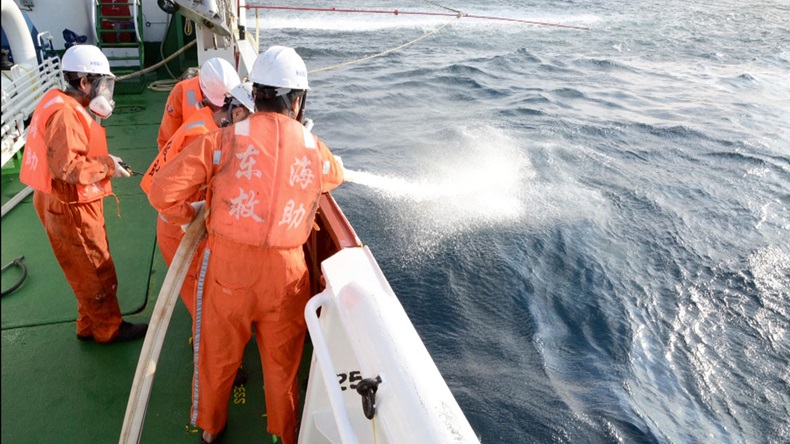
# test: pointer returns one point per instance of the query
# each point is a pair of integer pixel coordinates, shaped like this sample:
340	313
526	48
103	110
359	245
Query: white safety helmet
86	59
217	78
242	93
280	67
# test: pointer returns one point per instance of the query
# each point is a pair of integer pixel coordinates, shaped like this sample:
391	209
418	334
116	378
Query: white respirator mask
102	103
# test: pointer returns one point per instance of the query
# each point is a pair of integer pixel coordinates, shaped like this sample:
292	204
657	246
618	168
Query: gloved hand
347	174
198	207
120	170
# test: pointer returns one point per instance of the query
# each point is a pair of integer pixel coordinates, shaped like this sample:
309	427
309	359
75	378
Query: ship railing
23	87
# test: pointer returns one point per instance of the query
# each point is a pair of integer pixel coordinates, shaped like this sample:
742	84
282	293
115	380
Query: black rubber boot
130	332
217	438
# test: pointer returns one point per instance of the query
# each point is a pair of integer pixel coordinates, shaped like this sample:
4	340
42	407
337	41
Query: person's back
199	123
205	120
189	95
272	171
265	176
184	100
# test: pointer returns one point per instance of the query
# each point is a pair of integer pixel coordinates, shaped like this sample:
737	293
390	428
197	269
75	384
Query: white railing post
321	350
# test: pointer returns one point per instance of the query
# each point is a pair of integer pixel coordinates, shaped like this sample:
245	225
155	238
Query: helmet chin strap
303	101
287	102
226	121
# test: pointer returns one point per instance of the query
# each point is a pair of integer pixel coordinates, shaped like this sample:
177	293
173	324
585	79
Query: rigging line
157	65
363	59
398	12
444	7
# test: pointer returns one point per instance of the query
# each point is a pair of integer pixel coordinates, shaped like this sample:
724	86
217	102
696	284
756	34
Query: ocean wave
520	112
569	93
676	132
603	210
602	64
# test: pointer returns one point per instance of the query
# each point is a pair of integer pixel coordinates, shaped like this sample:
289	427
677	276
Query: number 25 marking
352	378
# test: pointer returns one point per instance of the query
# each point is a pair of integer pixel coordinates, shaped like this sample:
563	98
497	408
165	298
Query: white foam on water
482	178
770	267
477	181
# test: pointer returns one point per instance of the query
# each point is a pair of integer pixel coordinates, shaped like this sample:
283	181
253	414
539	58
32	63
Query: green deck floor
56	389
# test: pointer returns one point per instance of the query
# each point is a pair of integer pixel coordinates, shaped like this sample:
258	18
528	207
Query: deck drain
128	109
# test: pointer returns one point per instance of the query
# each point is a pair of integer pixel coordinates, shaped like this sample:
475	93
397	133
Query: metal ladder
119	28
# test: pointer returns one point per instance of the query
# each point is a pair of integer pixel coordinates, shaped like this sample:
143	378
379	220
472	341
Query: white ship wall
56	15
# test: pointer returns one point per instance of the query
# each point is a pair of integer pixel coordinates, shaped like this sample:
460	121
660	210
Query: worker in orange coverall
190	95
67	163
265	176
220	112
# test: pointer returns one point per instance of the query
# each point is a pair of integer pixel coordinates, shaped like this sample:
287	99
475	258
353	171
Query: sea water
589	229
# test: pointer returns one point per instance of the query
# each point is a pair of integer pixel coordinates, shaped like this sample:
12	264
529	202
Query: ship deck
58	389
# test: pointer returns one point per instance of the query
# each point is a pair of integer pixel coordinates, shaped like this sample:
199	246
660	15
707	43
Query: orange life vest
199	123
266	184
34	170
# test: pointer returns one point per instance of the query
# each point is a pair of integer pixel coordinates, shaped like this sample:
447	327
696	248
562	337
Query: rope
162	44
363	59
157	65
398	12
444	7
456	13
162	85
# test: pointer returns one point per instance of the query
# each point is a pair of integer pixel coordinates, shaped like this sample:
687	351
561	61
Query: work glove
347	174
198	207
120	169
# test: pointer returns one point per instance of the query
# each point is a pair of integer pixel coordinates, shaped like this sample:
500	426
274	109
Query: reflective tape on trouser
196	334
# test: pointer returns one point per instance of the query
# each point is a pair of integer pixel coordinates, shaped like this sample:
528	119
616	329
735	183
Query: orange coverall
249	286
185	98
76	230
168	235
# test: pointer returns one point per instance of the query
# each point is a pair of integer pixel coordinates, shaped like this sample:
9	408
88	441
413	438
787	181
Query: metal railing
23	86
